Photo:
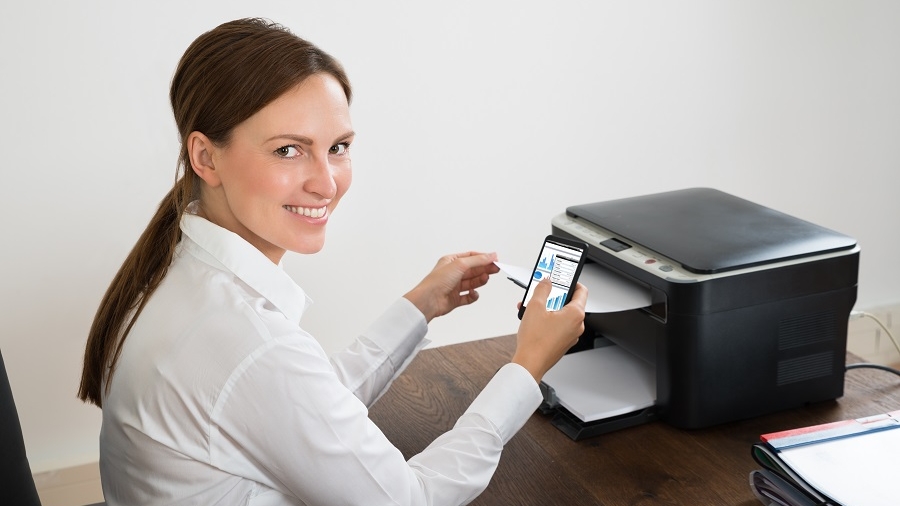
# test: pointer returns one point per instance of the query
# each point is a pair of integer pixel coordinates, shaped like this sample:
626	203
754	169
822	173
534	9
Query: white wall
462	110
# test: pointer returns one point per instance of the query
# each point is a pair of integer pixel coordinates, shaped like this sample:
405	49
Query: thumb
472	260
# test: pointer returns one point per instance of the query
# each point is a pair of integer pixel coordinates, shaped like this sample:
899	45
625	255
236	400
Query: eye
339	149
287	151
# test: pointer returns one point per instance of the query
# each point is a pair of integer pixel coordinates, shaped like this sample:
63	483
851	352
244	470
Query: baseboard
70	486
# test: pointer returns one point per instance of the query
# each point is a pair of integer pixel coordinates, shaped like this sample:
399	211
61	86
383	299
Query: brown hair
226	75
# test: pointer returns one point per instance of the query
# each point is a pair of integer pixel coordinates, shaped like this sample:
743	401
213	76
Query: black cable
864	365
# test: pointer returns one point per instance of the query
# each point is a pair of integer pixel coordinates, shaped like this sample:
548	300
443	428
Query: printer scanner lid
708	231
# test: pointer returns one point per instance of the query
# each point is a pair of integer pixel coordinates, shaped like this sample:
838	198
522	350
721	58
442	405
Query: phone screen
561	261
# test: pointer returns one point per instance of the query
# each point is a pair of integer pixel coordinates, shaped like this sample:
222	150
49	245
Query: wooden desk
649	464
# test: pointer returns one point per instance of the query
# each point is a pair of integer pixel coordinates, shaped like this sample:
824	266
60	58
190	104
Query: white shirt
219	397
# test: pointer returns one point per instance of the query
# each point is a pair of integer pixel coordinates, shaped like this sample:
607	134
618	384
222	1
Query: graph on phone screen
558	262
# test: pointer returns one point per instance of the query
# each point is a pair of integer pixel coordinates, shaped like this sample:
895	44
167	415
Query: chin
307	251
308	247
304	241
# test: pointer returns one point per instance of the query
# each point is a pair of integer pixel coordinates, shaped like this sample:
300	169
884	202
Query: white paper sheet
855	470
602	382
607	292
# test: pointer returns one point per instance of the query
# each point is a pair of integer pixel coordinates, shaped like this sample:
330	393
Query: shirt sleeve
371	363
461	462
289	423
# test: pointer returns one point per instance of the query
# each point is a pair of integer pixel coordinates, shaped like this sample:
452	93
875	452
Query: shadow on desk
644	465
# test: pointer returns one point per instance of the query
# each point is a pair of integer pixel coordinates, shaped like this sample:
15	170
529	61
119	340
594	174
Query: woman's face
284	170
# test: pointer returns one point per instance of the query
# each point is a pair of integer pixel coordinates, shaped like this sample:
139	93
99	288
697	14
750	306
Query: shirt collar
246	262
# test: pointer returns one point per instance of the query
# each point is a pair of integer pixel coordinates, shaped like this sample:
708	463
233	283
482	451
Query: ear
200	150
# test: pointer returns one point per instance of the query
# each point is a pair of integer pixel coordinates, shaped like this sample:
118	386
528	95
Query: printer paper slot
607	292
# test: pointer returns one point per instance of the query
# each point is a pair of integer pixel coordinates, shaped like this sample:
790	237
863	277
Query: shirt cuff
400	331
508	400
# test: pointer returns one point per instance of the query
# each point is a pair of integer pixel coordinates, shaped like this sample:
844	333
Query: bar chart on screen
555	303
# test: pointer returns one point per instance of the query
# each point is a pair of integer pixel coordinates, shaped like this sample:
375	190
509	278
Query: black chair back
16	482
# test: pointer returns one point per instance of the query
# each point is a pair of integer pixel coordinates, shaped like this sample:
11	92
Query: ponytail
131	288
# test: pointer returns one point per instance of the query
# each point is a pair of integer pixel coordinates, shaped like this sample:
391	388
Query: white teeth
308	212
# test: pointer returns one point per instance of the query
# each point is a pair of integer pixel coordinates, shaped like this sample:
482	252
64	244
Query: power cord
860	314
867	365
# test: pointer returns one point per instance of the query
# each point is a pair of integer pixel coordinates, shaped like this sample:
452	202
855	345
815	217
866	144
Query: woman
211	392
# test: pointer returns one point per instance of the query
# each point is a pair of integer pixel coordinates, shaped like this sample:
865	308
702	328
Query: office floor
81	484
71	486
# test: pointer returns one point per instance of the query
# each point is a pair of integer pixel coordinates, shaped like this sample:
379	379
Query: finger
577	303
468	297
580	295
474	260
446	259
469	254
476	276
473	282
449	259
542	292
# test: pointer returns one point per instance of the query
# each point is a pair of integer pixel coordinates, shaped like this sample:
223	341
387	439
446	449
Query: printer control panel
657	264
649	261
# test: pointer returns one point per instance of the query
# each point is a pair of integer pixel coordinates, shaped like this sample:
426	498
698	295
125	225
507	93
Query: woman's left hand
452	283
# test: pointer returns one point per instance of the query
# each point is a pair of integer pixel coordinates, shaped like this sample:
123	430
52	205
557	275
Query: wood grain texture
651	464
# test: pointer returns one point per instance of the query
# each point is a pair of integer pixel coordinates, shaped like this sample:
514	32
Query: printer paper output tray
599	390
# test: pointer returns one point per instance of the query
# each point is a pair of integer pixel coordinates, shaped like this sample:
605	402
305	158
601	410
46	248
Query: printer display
748	314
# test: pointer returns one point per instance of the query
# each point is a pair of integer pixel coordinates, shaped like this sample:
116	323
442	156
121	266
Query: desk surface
648	464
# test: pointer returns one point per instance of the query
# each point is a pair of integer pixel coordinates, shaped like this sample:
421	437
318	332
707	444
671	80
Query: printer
747	314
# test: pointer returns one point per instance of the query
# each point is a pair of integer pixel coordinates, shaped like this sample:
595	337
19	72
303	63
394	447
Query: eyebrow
306	141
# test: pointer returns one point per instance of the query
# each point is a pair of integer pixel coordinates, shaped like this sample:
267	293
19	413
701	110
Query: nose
321	178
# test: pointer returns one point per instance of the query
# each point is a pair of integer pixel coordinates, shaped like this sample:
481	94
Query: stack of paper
602	383
848	463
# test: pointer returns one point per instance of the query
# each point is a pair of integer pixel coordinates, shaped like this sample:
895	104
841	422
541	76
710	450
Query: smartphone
560	260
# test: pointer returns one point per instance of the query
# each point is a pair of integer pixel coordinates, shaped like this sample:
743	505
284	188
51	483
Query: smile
309	212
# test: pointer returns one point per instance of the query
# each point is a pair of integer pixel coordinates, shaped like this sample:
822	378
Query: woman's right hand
545	336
